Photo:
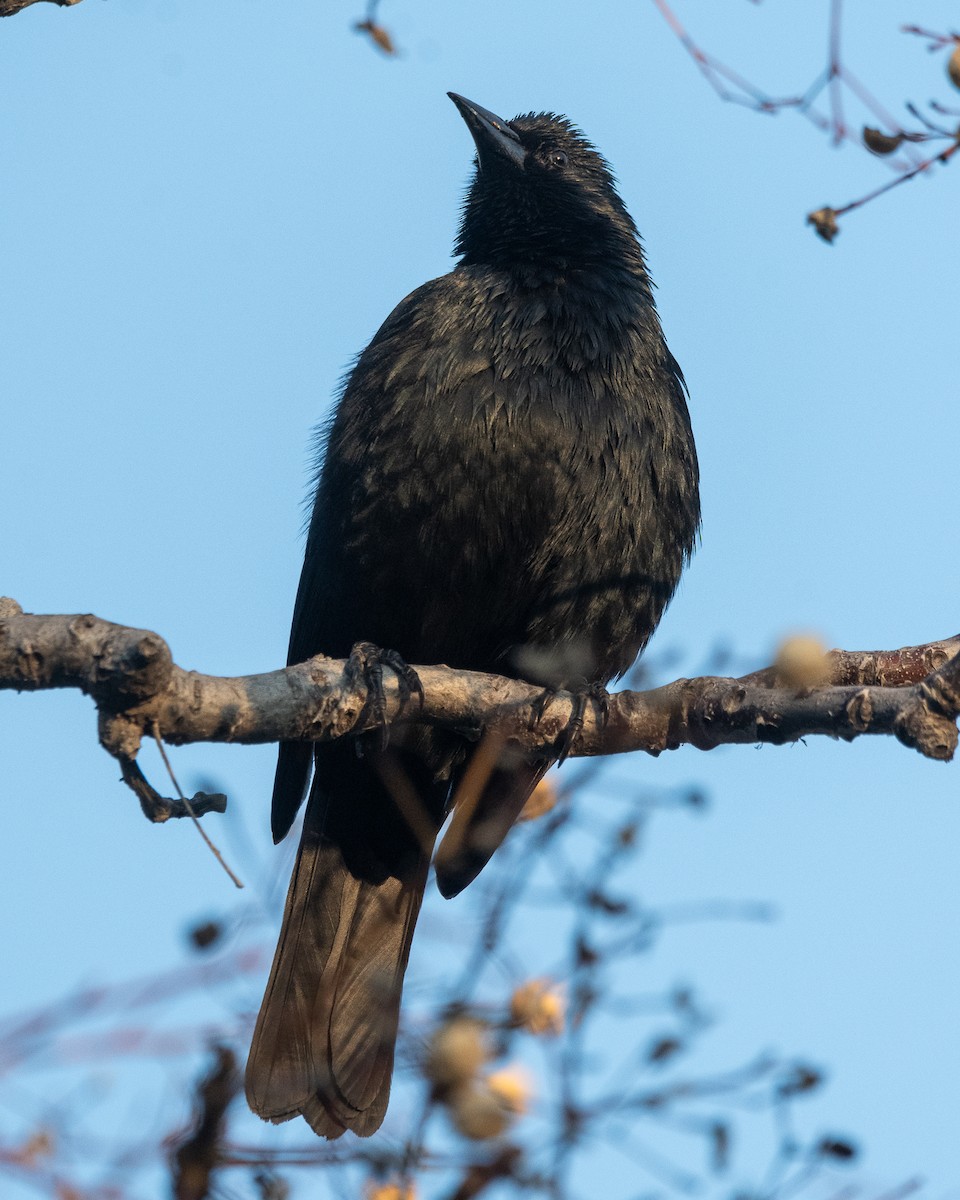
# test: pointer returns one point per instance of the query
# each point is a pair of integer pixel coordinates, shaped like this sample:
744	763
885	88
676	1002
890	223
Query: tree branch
9	8
912	693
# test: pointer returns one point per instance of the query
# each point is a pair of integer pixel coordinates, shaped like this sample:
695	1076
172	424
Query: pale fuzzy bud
802	662
541	800
477	1112
512	1087
457	1052
953	66
539	1007
391	1191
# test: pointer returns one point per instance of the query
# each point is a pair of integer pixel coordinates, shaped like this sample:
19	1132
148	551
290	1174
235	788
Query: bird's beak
493	136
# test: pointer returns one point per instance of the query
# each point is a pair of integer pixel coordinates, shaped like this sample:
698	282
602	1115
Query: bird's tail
488	797
324	1040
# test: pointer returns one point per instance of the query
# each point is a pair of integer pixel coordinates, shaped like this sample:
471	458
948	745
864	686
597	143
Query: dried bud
606	904
824	221
477	1113
391	1191
664	1049
720	1139
538	1006
881	143
586	955
802	662
801	1079
270	1186
457	1052
512	1087
953	66
205	935
377	34
541	801
627	835
38	1146
839	1148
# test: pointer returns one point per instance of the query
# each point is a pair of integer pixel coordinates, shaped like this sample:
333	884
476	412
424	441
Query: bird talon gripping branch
408	681
591	693
365	664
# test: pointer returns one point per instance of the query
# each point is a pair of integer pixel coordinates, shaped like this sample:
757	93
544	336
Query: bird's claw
408	681
366	662
538	706
594	692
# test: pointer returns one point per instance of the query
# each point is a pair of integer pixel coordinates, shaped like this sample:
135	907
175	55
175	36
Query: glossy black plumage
509	484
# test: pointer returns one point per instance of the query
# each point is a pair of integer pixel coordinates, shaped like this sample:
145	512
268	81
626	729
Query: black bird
509	484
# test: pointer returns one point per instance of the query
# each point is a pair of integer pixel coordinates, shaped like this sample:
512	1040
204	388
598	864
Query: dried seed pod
379	35
539	1007
664	1048
457	1052
477	1112
824	221
953	66
391	1191
881	143
512	1087
839	1148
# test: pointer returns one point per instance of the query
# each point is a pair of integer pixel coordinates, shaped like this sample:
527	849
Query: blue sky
206	210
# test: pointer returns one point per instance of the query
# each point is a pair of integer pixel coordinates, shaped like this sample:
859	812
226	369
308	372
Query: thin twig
189	807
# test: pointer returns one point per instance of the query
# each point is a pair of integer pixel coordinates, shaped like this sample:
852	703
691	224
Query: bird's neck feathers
568	301
582	244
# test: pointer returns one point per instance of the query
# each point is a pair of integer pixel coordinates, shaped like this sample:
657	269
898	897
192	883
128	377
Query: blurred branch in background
837	85
540	1065
823	102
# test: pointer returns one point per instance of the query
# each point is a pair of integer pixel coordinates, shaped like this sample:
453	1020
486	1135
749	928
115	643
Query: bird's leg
582	694
366	662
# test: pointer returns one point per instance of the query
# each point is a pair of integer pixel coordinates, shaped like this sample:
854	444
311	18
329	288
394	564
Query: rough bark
912	693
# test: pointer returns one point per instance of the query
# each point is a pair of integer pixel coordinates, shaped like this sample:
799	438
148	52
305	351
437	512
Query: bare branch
828	231
912	693
833	79
875	668
157	808
198	1155
9	8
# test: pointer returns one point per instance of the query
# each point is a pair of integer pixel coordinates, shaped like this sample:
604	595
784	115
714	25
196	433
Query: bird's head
541	194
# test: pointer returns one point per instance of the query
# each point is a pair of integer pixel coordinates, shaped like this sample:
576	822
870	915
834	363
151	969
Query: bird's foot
594	693
366	662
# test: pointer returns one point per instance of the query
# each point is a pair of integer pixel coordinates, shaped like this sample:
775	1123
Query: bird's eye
557	158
